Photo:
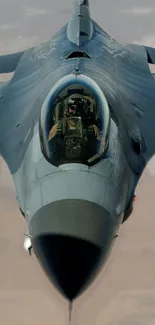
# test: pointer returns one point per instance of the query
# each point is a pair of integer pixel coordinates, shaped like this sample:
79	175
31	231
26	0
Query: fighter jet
77	129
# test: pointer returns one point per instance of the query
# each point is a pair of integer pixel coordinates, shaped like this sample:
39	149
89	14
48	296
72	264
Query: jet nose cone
71	239
69	262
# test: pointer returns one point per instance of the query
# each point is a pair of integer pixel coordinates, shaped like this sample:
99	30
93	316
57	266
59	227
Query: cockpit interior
73	127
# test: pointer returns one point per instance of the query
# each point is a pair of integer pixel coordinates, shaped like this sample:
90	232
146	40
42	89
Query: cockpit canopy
74	122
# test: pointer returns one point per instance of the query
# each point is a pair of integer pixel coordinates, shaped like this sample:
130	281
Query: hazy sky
29	22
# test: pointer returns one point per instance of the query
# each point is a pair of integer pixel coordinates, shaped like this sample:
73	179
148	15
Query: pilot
72	108
88	118
53	132
70	112
77	107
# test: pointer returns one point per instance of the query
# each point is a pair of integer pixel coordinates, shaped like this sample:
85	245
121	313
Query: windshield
72	128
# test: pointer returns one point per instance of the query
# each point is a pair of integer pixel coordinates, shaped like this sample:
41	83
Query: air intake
78	54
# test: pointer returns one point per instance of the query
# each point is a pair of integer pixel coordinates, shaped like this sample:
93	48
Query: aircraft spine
81	2
80	27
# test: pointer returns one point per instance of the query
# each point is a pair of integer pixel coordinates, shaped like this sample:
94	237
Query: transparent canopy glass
74	122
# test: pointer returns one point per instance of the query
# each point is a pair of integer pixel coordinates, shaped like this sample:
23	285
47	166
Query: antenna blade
70	310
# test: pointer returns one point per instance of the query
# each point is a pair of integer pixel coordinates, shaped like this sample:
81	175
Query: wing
137	88
23	96
17	98
124	75
8	63
150	54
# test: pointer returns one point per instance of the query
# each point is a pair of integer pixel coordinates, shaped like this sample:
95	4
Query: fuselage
65	59
73	202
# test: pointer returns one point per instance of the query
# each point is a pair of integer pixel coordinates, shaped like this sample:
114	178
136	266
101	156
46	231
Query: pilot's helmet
85	105
71	107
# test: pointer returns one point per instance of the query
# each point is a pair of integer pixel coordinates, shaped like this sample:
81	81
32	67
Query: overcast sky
24	23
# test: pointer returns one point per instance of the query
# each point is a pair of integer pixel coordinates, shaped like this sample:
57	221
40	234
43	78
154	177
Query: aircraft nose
69	262
71	239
